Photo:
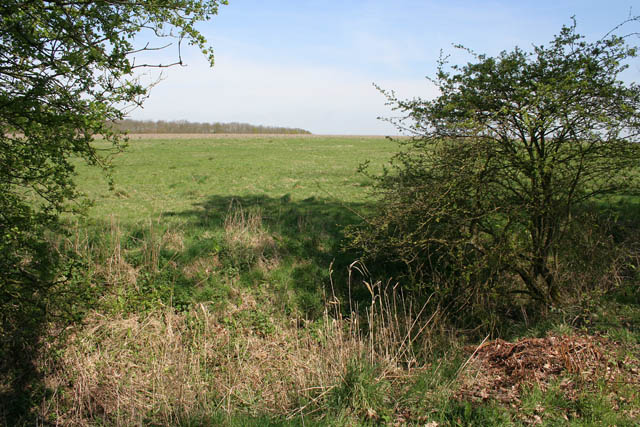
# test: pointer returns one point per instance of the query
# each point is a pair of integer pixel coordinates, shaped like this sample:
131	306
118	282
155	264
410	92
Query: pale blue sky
311	63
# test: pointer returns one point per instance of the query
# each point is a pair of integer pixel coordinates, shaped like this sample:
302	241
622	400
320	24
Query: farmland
222	294
173	173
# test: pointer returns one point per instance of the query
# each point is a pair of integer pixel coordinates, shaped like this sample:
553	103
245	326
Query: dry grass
173	240
202	267
108	260
245	233
245	227
163	366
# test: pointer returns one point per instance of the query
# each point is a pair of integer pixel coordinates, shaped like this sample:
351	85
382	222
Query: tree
495	180
67	69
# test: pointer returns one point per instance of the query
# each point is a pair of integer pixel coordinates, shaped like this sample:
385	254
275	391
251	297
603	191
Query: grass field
240	202
223	297
157	176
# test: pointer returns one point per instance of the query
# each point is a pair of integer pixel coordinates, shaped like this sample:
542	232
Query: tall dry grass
164	367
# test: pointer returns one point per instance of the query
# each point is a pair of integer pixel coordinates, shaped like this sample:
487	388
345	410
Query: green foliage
362	391
66	71
244	420
465	413
602	406
493	188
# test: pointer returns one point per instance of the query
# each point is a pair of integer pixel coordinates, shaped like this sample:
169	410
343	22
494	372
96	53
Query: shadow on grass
26	293
286	252
21	384
308	238
30	304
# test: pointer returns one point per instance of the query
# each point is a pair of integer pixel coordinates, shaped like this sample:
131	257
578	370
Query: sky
312	64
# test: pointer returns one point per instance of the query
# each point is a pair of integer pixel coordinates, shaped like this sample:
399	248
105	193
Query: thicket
495	198
184	126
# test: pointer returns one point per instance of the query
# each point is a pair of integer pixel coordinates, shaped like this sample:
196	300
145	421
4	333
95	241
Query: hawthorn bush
495	189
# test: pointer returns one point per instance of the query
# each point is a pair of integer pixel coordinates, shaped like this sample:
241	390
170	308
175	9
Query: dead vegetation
167	366
503	371
248	238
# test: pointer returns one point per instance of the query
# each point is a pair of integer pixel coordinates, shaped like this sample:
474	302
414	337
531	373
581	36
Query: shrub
498	176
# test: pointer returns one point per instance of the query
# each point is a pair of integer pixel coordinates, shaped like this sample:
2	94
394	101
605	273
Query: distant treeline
184	126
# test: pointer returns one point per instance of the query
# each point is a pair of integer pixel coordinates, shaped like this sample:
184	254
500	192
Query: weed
362	390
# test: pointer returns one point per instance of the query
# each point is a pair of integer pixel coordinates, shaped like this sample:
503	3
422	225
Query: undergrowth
216	329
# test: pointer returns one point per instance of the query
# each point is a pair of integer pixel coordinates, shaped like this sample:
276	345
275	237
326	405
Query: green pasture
156	176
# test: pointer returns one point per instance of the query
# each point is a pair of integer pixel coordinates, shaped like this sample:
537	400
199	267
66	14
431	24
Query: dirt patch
502	370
